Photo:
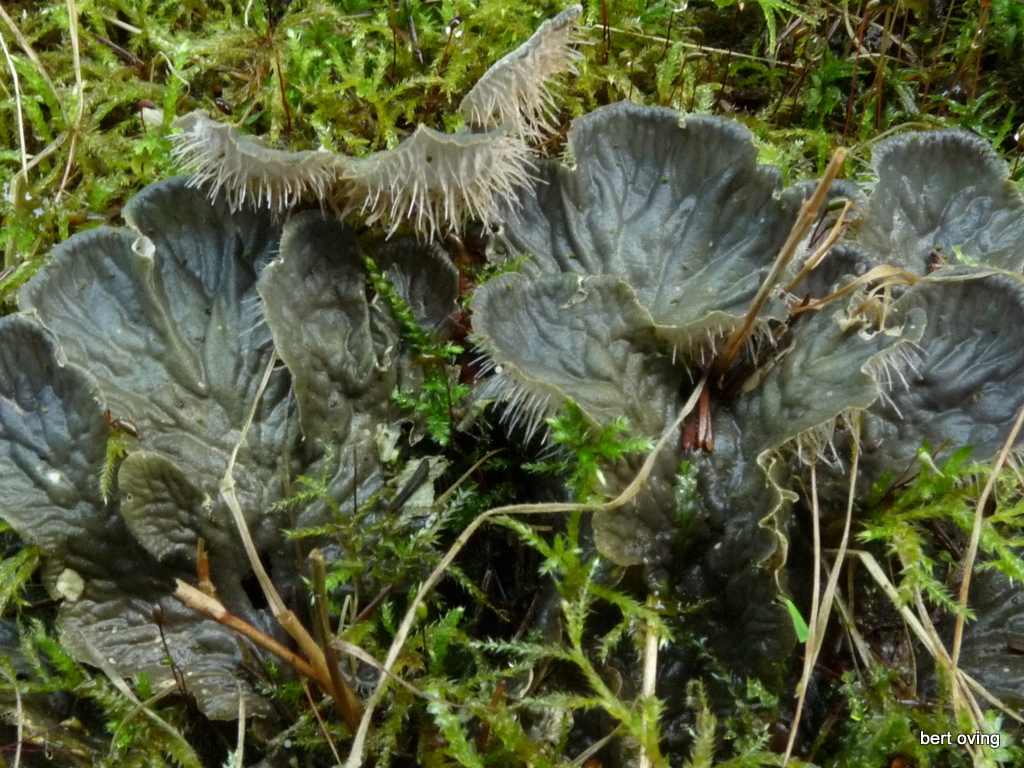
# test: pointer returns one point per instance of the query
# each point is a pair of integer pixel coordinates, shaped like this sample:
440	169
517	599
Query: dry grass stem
702	50
816	258
995	701
26	47
76	127
809	654
930	640
650	677
355	651
821	604
17	104
122	24
963	685
19	713
979	518
821	618
804	220
238	760
888	276
863	651
227	491
355	757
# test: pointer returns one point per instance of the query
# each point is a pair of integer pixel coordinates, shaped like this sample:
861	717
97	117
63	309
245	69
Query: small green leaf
799	625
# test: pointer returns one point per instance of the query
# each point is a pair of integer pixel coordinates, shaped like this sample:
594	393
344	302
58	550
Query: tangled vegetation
439	516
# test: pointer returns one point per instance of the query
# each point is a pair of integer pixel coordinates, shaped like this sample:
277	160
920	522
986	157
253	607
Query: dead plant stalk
805	218
356	753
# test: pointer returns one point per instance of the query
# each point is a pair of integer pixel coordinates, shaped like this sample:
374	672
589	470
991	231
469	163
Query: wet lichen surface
597	421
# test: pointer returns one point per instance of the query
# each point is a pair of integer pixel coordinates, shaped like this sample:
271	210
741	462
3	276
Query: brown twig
214	609
353	708
124	55
203	570
804	220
